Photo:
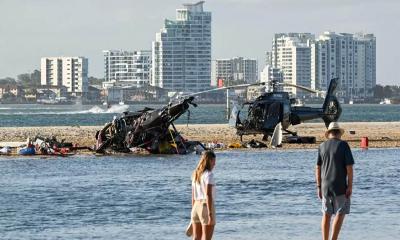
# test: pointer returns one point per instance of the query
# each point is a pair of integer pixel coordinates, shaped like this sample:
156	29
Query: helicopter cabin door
273	115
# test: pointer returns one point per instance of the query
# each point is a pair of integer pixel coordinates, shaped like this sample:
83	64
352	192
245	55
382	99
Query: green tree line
26	80
386	91
32	80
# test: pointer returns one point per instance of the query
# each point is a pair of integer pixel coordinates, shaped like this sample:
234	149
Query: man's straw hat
334	126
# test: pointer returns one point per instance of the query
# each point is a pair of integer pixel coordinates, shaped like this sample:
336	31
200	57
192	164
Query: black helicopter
272	108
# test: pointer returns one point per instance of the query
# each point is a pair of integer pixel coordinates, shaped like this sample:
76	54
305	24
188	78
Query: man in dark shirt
334	176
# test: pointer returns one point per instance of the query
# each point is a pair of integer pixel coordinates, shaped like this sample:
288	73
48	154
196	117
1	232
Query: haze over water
260	195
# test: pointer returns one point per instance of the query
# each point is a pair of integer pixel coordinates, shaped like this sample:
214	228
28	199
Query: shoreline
380	134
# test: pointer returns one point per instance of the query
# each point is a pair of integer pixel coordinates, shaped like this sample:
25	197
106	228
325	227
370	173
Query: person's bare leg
208	231
197	231
325	224
337	225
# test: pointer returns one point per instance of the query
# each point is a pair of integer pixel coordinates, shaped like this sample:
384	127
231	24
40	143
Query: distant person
334	176
203	197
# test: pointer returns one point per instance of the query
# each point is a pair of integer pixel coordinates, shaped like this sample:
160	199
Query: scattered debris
215	145
235	145
5	151
255	144
299	139
28	150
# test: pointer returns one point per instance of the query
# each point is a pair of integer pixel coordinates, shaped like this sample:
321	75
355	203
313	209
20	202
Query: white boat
121	103
351	101
386	101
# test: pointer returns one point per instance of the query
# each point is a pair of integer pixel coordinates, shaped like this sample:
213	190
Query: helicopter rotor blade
303	88
300	87
224	88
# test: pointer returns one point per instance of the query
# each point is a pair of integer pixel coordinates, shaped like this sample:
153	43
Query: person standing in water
334	177
203	197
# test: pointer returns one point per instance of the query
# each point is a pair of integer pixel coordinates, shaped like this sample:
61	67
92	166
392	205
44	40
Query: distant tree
378	91
8	96
35	77
7	80
29	79
24	79
95	81
387	91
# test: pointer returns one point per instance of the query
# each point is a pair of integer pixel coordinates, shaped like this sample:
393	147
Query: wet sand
380	134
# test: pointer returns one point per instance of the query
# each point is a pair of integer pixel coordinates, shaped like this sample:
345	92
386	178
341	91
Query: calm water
260	195
69	115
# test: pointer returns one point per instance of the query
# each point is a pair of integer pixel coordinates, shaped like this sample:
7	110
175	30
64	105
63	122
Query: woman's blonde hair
204	164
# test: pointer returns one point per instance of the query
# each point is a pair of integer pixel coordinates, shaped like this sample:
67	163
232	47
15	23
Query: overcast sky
31	29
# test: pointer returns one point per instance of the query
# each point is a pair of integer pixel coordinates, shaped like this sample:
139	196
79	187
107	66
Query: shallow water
260	195
18	115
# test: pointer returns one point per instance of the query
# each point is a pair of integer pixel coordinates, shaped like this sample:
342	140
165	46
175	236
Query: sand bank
380	134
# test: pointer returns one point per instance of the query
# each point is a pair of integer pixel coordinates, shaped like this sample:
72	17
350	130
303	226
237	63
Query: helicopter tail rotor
331	108
234	117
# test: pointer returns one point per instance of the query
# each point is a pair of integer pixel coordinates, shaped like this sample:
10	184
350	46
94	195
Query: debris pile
150	129
41	146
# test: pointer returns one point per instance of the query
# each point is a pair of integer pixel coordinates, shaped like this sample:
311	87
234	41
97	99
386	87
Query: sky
31	29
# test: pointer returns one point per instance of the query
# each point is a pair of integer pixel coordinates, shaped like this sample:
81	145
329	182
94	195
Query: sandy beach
380	134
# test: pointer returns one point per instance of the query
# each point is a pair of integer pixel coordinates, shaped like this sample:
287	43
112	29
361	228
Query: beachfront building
127	68
10	90
351	58
71	72
181	52
236	70
291	53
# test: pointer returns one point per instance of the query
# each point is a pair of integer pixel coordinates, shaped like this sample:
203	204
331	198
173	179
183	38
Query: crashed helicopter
150	129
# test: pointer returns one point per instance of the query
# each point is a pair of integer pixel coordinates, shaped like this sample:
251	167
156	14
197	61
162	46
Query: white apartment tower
268	58
351	58
291	52
181	53
128	68
71	72
236	70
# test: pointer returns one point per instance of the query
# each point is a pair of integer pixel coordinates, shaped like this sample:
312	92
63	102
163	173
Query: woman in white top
203	194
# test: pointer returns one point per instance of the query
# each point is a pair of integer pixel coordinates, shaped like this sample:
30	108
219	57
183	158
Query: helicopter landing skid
290	132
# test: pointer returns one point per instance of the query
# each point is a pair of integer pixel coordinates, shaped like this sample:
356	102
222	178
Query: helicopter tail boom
331	107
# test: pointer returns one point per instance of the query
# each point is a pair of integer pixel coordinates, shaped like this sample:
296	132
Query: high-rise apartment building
291	52
236	70
351	58
181	53
268	58
128	68
71	72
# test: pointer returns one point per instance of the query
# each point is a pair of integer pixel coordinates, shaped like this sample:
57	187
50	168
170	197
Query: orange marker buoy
364	142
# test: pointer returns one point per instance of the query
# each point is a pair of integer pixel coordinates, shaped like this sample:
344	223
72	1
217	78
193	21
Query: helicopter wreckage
153	130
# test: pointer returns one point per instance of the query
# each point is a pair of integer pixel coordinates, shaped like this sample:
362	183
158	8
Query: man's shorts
336	205
200	213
